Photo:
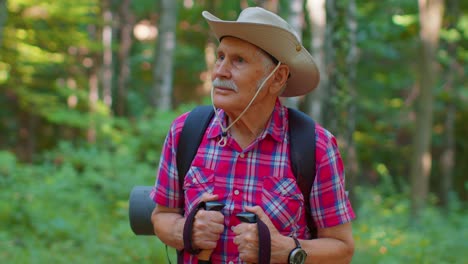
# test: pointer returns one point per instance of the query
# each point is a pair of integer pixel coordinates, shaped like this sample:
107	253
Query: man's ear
280	78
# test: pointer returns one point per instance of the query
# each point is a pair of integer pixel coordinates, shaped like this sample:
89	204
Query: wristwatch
297	255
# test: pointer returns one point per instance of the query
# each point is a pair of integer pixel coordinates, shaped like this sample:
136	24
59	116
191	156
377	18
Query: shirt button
236	192
232	228
230	262
242	155
194	180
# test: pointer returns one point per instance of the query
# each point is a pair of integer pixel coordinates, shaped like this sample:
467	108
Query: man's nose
222	70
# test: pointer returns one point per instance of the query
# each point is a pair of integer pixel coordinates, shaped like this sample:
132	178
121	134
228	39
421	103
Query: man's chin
222	102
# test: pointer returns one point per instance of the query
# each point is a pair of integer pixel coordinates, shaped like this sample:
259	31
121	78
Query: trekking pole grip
205	255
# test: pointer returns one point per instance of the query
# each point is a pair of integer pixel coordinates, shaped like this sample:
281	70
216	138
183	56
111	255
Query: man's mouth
224	88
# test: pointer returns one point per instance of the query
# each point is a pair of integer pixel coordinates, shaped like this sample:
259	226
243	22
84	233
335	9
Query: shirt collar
276	127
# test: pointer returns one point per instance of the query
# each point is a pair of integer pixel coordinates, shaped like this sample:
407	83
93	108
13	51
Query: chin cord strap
222	142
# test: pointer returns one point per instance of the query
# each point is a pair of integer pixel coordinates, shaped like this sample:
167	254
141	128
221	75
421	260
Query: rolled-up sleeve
330	205
166	191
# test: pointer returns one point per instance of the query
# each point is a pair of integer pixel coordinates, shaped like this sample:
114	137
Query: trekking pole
247	217
205	255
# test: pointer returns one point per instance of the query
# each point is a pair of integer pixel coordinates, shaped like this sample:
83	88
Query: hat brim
278	42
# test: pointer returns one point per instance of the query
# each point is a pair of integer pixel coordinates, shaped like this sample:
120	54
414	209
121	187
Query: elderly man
243	158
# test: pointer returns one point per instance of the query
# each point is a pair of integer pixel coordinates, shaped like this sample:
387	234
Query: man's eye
240	59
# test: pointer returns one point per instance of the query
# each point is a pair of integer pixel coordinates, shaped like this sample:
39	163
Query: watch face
298	256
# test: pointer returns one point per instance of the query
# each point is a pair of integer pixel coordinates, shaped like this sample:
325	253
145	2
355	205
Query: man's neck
251	124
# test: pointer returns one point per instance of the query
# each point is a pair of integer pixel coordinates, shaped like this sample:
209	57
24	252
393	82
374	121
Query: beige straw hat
271	33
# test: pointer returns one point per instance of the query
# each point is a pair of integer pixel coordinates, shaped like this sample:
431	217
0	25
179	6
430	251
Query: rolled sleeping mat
140	209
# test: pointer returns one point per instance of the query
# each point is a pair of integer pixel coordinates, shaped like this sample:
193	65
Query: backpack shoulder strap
302	151
190	138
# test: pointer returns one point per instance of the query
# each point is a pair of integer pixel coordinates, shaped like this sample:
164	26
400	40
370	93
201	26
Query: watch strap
298	245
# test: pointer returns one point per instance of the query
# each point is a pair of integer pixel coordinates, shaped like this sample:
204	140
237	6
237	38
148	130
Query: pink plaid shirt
257	175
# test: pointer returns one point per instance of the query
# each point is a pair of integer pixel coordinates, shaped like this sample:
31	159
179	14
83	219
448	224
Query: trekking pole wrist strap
188	230
264	243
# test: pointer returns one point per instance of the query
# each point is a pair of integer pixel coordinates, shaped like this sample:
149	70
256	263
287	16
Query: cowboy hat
271	33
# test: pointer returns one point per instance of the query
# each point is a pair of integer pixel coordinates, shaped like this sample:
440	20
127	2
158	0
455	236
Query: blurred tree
272	5
164	57
296	20
126	24
352	58
107	53
318	20
94	65
210	52
332	70
430	18
448	157
3	17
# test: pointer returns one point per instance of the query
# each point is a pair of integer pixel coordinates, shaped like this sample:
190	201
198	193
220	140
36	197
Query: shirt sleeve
166	191
330	205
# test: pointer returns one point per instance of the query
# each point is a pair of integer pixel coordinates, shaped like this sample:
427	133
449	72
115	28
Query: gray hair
269	62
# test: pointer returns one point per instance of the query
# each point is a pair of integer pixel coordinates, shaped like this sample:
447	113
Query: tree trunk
164	62
447	159
27	135
93	82
296	20
93	85
3	17
318	20
430	16
271	5
330	108
210	57
107	36
127	21
352	58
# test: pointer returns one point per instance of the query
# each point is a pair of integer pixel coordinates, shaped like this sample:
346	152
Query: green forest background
89	89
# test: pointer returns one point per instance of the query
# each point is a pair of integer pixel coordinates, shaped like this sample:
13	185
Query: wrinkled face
239	70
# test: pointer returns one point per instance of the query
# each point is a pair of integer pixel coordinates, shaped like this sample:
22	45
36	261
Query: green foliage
73	206
383	233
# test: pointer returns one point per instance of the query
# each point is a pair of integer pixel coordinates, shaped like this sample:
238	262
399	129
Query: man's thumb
207	197
260	214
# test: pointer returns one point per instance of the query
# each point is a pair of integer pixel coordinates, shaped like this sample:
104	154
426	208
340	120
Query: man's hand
207	226
246	239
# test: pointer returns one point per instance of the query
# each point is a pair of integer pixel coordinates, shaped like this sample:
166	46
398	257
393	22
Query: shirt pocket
283	202
197	181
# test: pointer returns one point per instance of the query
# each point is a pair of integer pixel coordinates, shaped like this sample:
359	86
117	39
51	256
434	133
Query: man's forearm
169	228
334	245
324	250
327	250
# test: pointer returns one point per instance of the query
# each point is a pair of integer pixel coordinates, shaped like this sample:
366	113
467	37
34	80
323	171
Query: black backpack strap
190	138
302	151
